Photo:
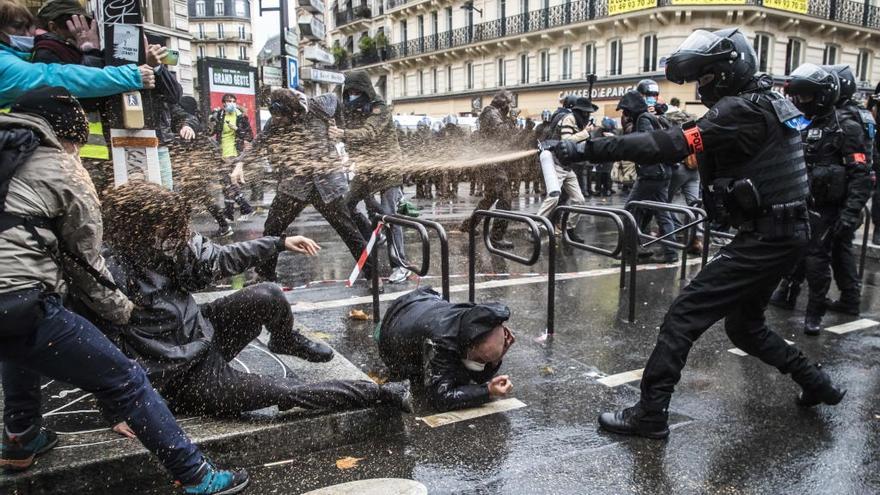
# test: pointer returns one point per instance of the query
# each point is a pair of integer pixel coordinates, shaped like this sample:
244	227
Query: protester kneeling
186	348
455	349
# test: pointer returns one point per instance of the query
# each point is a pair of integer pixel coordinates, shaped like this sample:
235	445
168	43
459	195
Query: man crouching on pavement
186	348
455	348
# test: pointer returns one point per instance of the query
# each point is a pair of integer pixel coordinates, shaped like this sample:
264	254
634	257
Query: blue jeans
66	347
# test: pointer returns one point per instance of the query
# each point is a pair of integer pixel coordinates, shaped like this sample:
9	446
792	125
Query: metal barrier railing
657	206
421	227
866	213
531	221
626	248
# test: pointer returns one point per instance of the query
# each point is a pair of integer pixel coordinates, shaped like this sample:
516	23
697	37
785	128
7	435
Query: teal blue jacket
18	75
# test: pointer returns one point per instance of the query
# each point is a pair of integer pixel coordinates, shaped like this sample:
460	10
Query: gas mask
473	365
21	43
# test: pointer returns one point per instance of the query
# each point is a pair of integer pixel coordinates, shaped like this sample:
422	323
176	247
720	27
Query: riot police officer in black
840	184
754	178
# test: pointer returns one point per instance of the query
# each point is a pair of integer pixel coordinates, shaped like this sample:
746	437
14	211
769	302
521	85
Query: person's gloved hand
567	152
844	227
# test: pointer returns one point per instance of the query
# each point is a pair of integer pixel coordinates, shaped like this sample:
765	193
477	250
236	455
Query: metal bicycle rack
657	206
421	227
626	248
531	222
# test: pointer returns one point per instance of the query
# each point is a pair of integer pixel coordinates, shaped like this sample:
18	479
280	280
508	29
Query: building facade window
421	81
218	8
200	7
829	57
435	86
544	65
469	75
793	55
649	53
240	8
201	52
220	32
242	52
221	51
524	68
615	58
241	33
448	78
863	65
763	51
201	31
435	23
502	76
449	18
421	26
403	31
566	63
589	59
403	80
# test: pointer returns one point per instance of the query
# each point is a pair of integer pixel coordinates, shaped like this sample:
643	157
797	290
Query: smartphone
172	57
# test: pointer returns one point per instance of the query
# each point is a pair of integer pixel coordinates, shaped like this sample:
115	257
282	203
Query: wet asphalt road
736	428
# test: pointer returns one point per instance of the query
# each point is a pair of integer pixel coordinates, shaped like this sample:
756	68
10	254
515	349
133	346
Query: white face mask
352	98
473	365
230	107
21	43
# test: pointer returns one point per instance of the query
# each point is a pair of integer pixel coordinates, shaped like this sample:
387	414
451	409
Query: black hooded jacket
421	334
370	134
643	121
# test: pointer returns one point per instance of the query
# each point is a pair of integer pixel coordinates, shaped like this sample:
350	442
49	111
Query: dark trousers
66	347
735	285
285	209
213	387
875	202
824	248
652	190
497	189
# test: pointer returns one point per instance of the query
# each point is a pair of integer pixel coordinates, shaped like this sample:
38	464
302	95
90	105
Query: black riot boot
848	304
786	294
296	344
636	421
812	325
817	389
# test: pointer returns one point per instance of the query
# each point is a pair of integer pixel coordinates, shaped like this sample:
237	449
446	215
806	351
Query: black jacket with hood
370	134
643	121
421	334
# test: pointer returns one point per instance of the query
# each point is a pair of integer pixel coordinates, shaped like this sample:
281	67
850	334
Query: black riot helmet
813	90
648	87
846	79
721	62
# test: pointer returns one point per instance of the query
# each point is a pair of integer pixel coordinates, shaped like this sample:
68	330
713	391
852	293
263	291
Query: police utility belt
737	203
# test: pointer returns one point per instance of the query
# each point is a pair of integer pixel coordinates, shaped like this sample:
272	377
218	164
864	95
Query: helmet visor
810	72
700	41
693	58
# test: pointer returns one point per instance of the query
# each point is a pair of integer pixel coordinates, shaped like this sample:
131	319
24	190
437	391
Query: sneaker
297	344
244	217
221	232
636	421
20	449
399	275
213	481
398	394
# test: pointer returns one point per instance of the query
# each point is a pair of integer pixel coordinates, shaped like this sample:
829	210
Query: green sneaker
20	449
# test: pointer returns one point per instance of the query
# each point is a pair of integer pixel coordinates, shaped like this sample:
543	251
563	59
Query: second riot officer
840	183
754	178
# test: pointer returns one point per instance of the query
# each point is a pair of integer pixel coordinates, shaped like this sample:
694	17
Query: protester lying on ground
18	75
456	349
186	348
51	227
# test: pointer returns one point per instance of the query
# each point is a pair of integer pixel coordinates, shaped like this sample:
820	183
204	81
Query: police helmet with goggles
813	90
846	78
721	62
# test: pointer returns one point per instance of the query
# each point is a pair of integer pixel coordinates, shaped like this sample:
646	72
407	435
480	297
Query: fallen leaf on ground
348	462
376	377
357	314
319	335
548	370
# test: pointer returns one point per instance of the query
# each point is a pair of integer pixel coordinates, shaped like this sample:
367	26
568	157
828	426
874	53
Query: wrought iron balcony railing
351	15
853	12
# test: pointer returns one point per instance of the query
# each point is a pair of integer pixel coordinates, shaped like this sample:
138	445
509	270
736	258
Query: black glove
843	227
567	152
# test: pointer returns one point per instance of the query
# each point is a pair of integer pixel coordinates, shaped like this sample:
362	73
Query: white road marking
279	463
742	353
493	407
852	326
621	378
65	406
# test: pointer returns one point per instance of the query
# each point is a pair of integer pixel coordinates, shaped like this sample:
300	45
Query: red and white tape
365	255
